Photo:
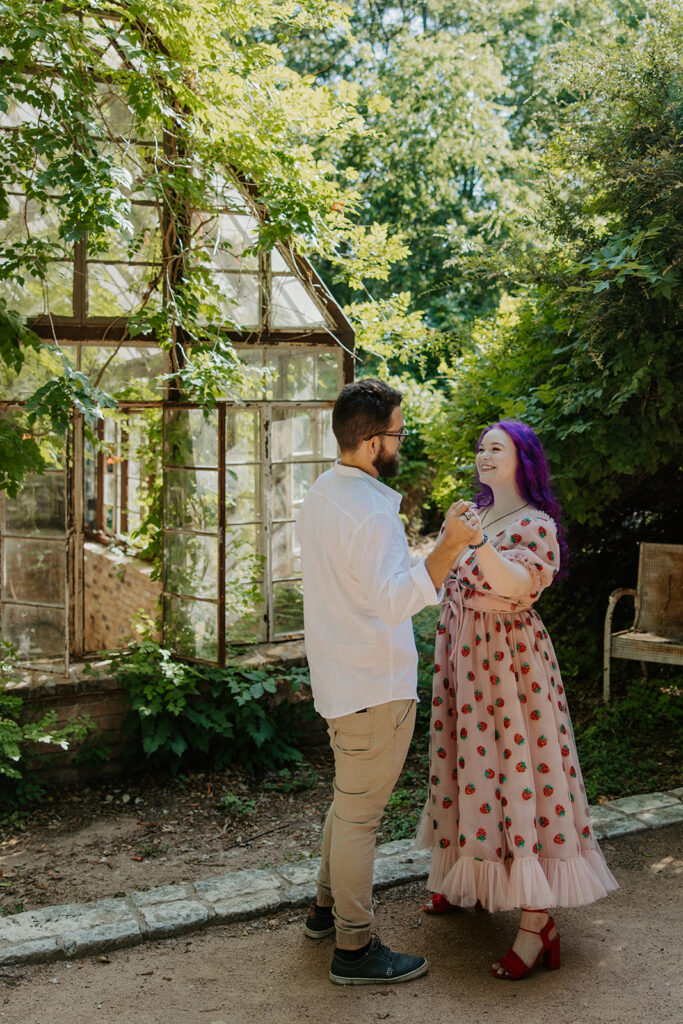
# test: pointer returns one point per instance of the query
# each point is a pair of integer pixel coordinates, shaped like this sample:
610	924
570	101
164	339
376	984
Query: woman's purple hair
533	480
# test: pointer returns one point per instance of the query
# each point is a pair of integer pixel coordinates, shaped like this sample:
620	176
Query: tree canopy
588	349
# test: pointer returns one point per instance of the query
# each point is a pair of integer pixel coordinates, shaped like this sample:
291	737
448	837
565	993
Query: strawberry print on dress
506	816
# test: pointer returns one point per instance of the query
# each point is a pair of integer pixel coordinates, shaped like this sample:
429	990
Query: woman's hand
471	517
466	511
456	533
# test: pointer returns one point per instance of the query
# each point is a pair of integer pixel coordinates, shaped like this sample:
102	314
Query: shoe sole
338	979
320	934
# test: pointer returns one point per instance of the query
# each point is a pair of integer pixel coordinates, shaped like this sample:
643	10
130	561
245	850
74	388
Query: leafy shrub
634	745
17	760
180	710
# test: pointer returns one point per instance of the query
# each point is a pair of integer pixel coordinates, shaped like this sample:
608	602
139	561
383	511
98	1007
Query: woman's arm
506	577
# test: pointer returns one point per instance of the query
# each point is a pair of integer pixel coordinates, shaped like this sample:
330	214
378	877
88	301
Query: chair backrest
660	589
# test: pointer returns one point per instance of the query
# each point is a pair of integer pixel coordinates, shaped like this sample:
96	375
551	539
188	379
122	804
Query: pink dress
506	816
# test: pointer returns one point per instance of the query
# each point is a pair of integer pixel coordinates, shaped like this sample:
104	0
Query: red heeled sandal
438	904
514	968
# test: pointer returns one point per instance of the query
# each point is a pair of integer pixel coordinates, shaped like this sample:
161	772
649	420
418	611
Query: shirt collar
388	493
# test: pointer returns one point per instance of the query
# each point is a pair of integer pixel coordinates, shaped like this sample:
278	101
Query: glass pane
33	570
103	44
37	633
236	300
291	482
191	499
112	476
303	434
143	245
39	508
140	163
244	599
90	486
295	375
257	383
17	114
292	305
191	564
116	288
278	264
292	433
116	114
224	237
286	553
26	219
242	494
226	194
191	438
38	298
245	613
328	382
131	372
243	557
288	608
39	367
191	628
242	435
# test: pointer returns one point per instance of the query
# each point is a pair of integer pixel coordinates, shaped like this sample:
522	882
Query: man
359	595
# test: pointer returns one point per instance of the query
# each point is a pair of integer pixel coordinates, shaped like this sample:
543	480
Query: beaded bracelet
480	545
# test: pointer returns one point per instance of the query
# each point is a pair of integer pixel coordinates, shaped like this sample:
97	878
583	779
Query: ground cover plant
182	712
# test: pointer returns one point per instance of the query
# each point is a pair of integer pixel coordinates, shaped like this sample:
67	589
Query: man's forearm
440	559
456	534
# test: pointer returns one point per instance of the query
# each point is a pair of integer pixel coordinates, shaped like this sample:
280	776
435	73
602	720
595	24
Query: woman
506	815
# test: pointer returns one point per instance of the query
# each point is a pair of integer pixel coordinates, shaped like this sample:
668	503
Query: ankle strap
546	927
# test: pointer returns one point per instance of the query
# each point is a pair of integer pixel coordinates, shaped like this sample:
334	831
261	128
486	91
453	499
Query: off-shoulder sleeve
533	542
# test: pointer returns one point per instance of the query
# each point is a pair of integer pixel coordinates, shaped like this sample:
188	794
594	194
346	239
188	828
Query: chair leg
606	683
643	669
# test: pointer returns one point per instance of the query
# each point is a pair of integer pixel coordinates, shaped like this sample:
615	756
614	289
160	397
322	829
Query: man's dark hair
362	409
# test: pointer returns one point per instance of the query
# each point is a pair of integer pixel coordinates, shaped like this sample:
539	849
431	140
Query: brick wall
117	588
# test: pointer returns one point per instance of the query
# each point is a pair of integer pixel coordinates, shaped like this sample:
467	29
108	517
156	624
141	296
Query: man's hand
461	527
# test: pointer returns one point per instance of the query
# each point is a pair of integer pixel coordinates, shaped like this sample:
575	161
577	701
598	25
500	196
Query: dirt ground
114	837
621	965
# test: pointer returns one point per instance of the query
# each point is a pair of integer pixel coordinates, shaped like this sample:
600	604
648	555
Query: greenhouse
168	502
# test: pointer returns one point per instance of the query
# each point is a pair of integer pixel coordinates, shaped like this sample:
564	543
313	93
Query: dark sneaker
378	966
319	922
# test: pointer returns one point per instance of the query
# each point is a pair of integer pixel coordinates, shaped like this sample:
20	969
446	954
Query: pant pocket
353	733
403	713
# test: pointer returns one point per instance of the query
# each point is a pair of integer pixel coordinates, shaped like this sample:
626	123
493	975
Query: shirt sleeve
533	543
393	590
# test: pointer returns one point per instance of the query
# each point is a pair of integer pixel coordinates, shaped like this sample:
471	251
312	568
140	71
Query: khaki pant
369	749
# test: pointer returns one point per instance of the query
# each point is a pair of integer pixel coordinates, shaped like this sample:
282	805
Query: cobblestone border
76	930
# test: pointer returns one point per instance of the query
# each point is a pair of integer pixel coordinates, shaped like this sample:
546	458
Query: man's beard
386	465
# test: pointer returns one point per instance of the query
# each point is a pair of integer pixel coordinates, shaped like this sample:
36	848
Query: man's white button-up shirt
360	592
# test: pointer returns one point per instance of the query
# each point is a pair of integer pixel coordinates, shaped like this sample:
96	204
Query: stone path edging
76	930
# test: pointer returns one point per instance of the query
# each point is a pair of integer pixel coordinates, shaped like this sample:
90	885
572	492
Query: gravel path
621	965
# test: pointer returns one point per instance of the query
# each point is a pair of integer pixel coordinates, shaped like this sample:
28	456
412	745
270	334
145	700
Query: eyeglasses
401	434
